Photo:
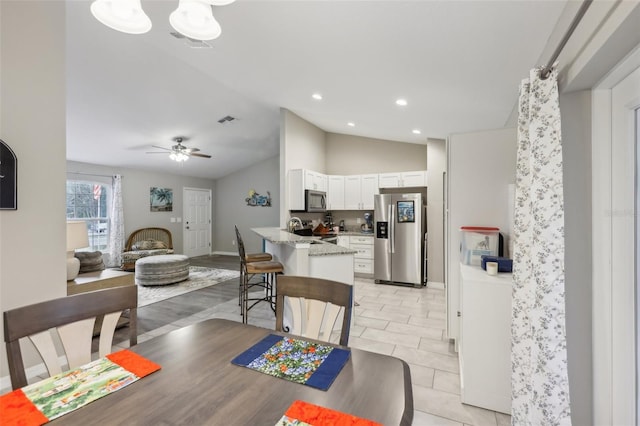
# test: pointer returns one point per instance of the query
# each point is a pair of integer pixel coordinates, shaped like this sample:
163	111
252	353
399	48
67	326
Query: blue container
504	263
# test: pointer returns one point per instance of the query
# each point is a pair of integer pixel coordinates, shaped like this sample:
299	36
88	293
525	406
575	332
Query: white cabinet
359	191
363	244
335	192
315	181
485	339
369	187
363	259
403	179
298	180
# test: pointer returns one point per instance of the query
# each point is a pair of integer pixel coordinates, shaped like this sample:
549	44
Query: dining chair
248	269
73	318
315	304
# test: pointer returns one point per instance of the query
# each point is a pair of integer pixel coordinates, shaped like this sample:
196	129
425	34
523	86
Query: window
88	201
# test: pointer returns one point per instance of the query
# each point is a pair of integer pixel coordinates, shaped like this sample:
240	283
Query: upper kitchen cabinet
403	179
359	191
315	181
335	192
298	180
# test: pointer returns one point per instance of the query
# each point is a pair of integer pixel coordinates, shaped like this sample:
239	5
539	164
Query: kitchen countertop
314	244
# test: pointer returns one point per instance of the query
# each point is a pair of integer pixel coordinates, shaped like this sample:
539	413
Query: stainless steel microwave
315	201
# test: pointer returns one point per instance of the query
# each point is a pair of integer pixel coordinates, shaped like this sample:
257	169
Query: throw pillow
90	261
149	245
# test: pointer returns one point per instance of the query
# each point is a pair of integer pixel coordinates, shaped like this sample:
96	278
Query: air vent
192	43
227	118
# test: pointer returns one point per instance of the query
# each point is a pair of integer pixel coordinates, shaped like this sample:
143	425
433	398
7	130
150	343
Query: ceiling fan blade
193	149
161	147
193	154
155	152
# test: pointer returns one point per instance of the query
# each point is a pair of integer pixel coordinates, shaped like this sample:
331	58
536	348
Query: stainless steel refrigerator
399	249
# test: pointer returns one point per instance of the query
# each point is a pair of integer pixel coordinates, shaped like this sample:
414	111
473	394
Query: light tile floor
405	322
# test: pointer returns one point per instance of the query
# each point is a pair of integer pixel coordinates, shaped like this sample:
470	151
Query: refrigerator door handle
392	228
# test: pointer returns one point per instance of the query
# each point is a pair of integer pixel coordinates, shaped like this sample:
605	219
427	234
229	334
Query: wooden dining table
198	384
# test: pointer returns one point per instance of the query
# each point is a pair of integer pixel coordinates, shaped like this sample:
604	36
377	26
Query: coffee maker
367	226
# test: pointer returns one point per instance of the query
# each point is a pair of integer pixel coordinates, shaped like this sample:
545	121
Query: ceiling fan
179	152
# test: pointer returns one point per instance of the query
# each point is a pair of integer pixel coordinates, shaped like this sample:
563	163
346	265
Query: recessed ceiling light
351	124
317	96
416	132
401	102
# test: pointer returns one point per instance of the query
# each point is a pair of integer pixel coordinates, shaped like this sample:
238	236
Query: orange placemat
41	402
302	413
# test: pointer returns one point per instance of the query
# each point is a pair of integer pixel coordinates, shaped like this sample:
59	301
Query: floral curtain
116	234
539	381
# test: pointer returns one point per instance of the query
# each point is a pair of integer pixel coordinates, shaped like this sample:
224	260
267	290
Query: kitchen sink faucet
294	222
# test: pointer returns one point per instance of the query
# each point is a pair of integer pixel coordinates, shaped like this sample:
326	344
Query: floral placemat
48	399
296	360
302	413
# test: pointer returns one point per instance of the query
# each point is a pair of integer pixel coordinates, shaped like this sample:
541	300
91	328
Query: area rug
199	277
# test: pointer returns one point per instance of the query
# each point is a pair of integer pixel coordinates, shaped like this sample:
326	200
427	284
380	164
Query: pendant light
194	19
126	16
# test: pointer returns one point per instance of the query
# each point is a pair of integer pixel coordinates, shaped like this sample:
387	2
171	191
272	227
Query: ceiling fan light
194	19
126	16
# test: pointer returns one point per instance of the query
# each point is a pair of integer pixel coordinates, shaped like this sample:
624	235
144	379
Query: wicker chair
146	242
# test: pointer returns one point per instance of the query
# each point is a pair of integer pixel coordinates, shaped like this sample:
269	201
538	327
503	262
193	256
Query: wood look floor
405	322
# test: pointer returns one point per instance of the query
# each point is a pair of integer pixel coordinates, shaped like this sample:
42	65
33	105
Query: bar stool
268	270
249	258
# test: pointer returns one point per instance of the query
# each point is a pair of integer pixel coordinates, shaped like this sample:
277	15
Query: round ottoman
162	269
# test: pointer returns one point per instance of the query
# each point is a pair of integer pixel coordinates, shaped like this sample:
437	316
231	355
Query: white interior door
197	222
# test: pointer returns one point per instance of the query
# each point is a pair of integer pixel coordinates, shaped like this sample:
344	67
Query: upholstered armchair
145	242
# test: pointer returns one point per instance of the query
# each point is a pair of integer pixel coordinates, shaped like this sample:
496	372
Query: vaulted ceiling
457	63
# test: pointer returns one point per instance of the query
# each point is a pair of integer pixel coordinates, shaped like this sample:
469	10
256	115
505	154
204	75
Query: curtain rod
546	70
90	174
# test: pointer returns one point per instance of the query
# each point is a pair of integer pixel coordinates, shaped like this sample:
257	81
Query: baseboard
435	284
226	253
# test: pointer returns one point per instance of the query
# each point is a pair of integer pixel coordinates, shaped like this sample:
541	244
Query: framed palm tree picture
161	199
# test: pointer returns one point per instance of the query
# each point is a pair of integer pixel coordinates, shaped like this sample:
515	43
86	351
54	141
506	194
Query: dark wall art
161	199
8	178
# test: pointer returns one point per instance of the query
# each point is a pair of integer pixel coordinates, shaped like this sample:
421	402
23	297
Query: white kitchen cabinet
403	179
389	180
352	192
343	241
335	192
299	180
369	187
359	191
363	259
485	339
295	189
315	181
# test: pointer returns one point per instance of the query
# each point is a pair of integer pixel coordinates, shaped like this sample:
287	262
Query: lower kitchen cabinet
363	244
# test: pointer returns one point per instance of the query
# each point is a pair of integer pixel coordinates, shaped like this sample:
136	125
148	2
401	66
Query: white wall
576	151
32	123
135	196
480	167
232	209
302	146
353	155
436	165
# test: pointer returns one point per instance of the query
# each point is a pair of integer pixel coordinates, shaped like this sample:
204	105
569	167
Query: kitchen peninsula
308	256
